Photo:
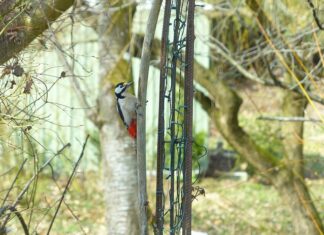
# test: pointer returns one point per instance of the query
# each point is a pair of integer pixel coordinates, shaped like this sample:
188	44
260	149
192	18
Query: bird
126	107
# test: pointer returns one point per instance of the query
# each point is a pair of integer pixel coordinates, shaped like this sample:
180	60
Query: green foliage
264	134
233	207
199	151
314	165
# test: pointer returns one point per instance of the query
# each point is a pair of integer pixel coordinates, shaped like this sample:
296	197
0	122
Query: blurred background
258	116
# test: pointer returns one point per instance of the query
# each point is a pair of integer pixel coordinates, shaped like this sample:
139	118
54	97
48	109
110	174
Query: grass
229	207
232	207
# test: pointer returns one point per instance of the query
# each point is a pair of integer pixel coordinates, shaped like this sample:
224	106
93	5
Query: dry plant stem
141	113
19	216
68	184
236	64
13	183
30	181
21	220
75	217
318	22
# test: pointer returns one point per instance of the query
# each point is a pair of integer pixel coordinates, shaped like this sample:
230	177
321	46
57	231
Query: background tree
286	173
117	148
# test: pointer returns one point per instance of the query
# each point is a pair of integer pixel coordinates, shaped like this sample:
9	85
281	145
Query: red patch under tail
132	129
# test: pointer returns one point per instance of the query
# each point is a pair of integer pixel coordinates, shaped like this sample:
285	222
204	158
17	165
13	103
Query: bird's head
121	88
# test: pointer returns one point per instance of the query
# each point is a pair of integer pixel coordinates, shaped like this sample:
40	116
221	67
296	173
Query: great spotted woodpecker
126	106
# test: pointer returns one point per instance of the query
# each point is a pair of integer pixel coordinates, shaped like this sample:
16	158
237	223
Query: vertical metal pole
175	57
160	148
188	101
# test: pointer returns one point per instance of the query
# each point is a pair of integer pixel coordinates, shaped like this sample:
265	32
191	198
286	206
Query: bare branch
239	67
13	182
27	185
141	112
21	220
31	22
68	184
288	119
311	4
3	230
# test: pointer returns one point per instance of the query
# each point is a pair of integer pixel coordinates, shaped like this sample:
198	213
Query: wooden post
141	114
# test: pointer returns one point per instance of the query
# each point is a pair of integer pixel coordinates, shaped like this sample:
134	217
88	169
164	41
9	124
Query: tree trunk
295	195
290	182
120	170
293	106
286	176
117	148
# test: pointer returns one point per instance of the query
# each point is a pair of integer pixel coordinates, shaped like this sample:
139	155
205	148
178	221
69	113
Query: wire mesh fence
174	165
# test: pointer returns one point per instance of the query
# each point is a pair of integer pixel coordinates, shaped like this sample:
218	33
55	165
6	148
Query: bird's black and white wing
121	114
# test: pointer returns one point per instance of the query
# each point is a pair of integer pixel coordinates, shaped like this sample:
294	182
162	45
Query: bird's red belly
132	129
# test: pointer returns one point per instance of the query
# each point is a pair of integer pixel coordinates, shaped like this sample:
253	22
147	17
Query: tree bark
293	106
20	26
291	182
120	170
117	148
296	197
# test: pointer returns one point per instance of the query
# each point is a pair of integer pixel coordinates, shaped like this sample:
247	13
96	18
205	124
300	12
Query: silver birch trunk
117	148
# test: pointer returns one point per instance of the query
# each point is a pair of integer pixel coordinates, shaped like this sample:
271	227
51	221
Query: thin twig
68	184
74	216
24	190
239	67
288	119
13	183
19	216
21	219
315	15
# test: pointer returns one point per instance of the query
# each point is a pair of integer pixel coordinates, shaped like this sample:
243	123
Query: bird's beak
128	84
